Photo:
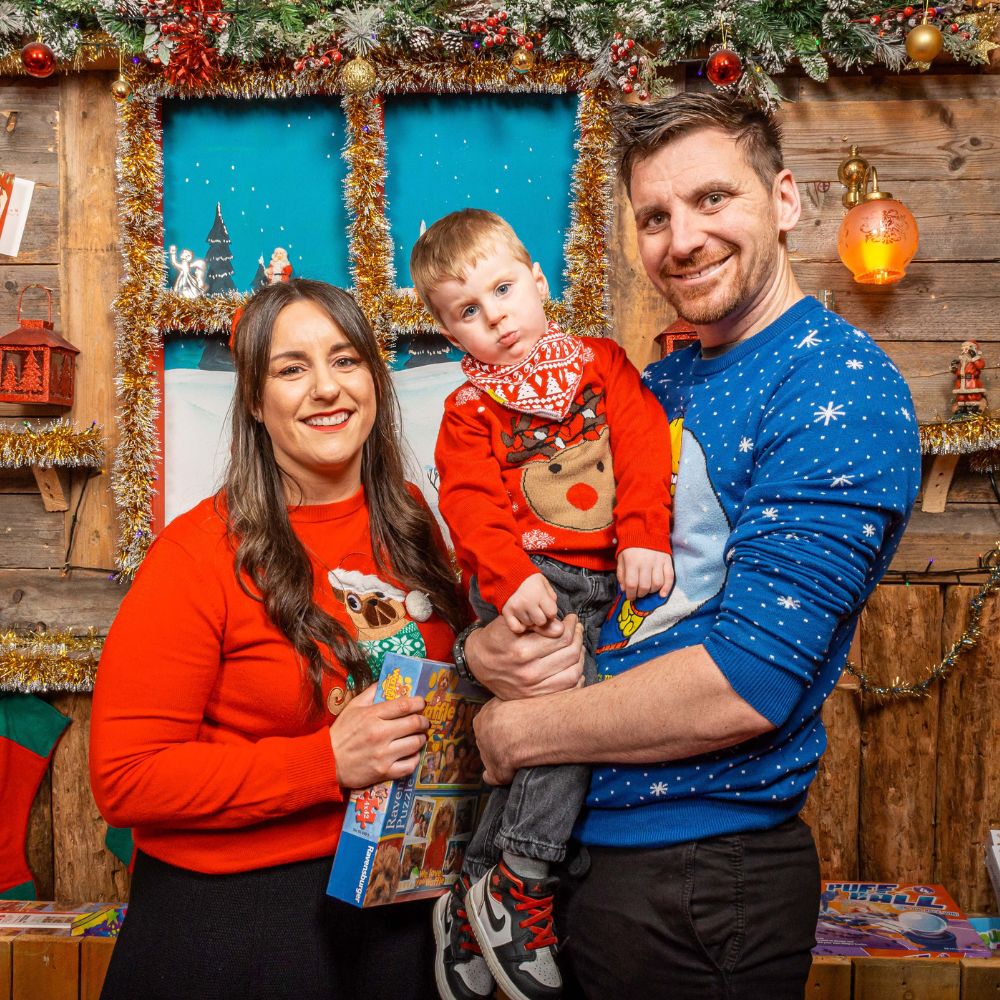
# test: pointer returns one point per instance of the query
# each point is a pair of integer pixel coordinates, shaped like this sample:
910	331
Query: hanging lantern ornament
38	59
358	76
924	42
878	237
36	364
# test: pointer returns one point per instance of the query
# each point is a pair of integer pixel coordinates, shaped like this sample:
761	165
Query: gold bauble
358	76
924	42
522	61
120	89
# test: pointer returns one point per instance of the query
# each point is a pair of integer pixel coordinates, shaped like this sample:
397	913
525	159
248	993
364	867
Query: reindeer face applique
568	486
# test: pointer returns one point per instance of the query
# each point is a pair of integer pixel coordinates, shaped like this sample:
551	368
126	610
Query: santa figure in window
968	395
279	269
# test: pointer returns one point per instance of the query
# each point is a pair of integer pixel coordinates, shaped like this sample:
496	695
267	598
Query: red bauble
38	59
724	67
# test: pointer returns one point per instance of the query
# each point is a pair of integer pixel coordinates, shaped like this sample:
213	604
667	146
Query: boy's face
495	311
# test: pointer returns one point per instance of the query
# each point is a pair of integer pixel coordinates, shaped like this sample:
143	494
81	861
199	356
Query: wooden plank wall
64	140
905	789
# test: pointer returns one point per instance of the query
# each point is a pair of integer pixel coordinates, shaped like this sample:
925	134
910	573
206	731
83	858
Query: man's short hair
454	244
642	129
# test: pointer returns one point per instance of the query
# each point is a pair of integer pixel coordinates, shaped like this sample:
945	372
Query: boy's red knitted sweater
579	490
201	737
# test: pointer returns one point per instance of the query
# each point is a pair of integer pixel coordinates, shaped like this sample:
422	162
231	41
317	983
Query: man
798	467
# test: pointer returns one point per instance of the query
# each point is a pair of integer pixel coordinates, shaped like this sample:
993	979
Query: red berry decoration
724	67
38	59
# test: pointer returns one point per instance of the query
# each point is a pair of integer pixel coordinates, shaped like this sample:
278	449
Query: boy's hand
533	603
642	571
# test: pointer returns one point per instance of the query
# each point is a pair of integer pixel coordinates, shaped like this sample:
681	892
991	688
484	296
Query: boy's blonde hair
455	243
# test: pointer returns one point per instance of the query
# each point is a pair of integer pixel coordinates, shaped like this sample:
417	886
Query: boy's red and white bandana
544	384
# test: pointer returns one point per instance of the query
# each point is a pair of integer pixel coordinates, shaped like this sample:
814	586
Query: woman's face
318	404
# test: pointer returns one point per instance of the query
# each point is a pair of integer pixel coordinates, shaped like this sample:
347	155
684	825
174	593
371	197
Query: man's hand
542	661
642	571
496	740
532	605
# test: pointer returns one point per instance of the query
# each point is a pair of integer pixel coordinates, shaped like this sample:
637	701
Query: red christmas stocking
29	731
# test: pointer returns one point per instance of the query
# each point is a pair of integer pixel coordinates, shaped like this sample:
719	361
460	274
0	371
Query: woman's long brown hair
269	555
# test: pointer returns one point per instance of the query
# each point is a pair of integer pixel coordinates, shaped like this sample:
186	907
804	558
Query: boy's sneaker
459	968
512	920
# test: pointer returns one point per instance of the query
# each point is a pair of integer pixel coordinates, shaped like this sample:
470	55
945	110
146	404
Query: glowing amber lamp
878	237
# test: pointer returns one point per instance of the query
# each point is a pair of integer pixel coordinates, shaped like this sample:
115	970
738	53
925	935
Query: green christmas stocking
29	731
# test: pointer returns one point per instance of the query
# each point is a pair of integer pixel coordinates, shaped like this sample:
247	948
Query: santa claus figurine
968	396
279	269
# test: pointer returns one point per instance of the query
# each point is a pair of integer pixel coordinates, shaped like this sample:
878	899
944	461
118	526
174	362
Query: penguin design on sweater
384	614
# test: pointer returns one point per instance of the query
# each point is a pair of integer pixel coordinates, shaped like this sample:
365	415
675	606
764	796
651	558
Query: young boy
555	484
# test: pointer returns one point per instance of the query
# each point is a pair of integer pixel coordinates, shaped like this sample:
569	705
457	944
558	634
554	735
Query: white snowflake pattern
832	411
809	340
905	413
842	481
789	603
746	444
792	537
532	541
658	788
771	513
467	394
868	530
855	364
587	355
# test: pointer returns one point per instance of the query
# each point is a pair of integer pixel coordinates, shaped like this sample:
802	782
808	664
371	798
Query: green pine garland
769	35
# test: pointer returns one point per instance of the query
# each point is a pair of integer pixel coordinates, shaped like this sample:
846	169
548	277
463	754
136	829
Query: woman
214	732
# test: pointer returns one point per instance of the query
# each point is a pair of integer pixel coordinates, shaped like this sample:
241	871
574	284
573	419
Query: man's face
708	228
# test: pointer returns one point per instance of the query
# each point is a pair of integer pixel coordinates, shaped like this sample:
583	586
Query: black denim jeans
725	918
534	816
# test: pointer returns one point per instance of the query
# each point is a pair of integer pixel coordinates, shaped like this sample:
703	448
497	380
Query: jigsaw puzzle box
406	839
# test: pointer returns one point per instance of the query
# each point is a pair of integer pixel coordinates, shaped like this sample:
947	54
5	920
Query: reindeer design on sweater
568	478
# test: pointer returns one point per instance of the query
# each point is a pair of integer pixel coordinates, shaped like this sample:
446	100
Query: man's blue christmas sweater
797	463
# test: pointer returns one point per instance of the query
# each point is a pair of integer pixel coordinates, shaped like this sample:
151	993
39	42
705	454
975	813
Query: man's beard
711	304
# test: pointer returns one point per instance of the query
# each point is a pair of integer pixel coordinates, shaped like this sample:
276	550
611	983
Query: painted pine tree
31	377
9	383
219	259
260	279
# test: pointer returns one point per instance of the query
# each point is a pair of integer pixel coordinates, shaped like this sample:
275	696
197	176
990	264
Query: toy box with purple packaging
894	920
406	839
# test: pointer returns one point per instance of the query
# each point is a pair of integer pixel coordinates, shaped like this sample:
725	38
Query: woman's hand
542	661
373	743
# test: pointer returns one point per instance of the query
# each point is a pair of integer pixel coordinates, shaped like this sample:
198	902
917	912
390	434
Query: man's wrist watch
458	652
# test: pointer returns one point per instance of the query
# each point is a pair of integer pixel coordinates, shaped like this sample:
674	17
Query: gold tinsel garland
48	661
370	240
968	640
961	437
145	308
139	169
55	444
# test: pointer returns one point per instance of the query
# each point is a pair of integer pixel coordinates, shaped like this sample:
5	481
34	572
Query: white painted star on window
789	603
842	481
832	411
855	364
658	788
746	444
869	530
771	513
809	340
